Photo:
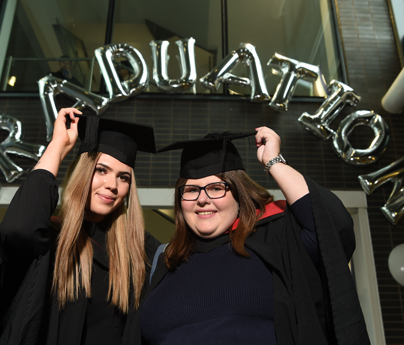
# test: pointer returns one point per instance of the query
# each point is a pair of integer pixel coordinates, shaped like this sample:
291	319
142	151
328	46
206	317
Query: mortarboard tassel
91	132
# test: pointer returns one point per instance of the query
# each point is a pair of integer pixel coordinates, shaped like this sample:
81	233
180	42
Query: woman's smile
205	213
206	217
107	199
109	188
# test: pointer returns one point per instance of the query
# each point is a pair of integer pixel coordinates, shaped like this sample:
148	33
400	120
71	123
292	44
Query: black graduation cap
118	139
210	155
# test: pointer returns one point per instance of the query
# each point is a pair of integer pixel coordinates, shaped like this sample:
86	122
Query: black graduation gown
311	307
26	266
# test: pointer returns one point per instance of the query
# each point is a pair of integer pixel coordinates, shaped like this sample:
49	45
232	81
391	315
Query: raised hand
62	142
63	136
268	144
291	182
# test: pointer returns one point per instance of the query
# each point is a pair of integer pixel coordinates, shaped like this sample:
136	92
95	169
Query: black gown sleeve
25	230
302	211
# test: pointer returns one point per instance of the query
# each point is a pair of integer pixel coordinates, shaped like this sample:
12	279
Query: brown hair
250	197
74	251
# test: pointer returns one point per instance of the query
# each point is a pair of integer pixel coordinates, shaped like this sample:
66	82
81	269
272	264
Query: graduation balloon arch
290	70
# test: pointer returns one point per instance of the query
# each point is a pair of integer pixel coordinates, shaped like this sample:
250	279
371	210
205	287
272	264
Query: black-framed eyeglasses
215	190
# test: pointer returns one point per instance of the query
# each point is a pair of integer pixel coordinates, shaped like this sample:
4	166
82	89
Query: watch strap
271	162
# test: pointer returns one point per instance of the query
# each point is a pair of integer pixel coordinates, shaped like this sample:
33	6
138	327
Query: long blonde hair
74	251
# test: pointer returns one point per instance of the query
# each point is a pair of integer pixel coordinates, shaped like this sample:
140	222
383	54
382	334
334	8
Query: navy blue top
218	296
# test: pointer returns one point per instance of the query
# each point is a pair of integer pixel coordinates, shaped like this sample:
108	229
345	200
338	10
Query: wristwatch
278	159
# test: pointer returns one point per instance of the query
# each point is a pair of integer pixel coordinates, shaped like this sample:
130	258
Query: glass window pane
139	22
51	29
299	29
397	10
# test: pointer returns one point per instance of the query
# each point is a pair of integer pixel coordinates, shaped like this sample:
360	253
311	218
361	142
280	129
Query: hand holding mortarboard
289	180
268	144
62	142
66	128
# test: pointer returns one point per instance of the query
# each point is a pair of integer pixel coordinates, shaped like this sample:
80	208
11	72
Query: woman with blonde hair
78	278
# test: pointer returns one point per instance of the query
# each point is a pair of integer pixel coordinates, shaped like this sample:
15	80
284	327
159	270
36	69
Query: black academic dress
312	306
29	314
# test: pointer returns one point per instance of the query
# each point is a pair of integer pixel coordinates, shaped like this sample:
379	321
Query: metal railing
11	59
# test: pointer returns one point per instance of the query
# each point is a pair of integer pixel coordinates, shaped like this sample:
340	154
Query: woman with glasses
245	269
78	279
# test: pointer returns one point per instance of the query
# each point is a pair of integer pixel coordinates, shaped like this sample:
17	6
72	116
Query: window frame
225	51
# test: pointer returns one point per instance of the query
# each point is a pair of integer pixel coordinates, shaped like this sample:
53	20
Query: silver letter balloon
393	209
138	80
50	86
160	58
319	123
351	155
14	145
247	54
291	71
